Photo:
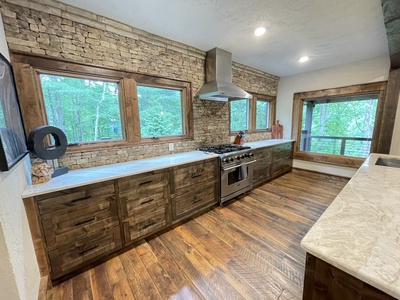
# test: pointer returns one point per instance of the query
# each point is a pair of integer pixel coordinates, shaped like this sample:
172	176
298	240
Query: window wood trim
28	66
272	111
339	160
253	114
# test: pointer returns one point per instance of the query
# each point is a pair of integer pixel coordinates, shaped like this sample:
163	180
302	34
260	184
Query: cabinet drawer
192	199
136	227
81	252
194	173
134	206
65	228
142	184
64	202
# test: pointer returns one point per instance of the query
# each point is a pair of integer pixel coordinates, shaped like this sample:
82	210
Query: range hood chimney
219	86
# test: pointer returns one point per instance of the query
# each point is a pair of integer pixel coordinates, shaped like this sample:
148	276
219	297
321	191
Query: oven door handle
234	167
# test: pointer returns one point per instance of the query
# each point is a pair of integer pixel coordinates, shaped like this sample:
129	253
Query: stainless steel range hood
219	86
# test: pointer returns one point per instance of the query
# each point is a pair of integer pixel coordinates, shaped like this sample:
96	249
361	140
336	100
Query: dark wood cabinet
262	166
78	225
271	162
323	281
75	228
144	200
194	188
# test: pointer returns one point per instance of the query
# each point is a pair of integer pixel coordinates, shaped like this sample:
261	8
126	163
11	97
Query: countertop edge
318	250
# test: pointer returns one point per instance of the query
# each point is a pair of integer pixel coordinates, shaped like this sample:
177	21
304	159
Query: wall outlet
171	146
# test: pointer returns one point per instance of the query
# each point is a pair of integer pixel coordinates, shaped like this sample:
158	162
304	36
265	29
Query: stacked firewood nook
78	227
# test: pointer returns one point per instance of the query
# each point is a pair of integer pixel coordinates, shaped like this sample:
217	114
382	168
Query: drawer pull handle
86	221
147	201
80	199
146	182
197	175
197	200
88	250
149	224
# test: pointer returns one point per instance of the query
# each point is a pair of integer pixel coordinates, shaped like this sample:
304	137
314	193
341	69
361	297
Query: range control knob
226	160
231	159
251	154
242	156
237	157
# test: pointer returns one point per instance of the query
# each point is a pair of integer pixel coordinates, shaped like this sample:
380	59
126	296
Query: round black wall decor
37	147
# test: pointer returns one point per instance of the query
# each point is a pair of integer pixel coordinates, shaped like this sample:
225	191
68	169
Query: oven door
236	180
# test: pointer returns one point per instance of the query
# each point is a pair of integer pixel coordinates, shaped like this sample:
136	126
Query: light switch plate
171	146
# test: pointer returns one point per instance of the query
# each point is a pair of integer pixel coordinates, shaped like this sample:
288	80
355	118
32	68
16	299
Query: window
239	115
87	110
160	111
252	115
262	114
338	126
100	107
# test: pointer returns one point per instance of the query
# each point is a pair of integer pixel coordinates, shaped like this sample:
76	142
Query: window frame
252	113
28	68
339	160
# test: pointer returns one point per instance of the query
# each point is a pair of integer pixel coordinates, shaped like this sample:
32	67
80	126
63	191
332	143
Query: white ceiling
330	32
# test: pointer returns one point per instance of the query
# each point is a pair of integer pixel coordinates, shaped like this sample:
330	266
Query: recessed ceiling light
260	31
304	59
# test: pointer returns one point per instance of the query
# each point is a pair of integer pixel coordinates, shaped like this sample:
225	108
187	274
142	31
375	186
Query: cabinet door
282	159
195	188
144	204
262	166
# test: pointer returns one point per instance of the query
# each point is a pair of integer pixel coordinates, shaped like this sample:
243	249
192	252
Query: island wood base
324	281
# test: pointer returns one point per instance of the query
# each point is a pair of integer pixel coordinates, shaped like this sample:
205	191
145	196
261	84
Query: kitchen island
358	234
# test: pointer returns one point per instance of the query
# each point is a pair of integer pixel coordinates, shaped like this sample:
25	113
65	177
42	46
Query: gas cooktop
224	148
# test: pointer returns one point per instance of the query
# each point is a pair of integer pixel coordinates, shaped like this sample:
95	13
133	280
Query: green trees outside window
239	110
340	125
262	114
87	110
160	111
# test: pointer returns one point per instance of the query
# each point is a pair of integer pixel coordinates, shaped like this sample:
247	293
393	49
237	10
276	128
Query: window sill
98	146
337	160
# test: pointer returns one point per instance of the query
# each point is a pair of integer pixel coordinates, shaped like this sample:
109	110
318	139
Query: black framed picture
12	135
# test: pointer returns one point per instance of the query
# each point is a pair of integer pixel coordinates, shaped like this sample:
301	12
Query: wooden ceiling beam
391	15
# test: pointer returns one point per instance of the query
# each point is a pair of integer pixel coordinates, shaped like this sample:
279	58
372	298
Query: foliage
262	114
239	114
86	110
160	111
345	119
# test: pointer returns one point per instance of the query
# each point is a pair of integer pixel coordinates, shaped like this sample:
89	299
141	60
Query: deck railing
348	146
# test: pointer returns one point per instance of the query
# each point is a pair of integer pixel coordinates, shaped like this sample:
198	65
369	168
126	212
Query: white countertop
98	174
359	233
266	143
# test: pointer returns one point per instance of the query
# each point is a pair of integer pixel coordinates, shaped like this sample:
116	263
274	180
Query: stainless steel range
236	169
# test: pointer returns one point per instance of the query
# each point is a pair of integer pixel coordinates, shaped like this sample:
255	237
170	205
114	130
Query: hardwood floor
248	249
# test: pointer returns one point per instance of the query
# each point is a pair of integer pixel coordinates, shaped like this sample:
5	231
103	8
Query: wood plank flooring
248	249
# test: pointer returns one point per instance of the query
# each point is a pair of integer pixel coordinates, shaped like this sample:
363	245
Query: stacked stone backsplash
59	30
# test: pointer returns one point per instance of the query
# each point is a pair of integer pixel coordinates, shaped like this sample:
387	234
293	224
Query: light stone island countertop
98	174
359	232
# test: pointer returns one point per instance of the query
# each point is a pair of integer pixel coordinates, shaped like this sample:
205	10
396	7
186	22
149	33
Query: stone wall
55	29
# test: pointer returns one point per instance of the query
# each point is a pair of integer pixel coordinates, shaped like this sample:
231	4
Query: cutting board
277	130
